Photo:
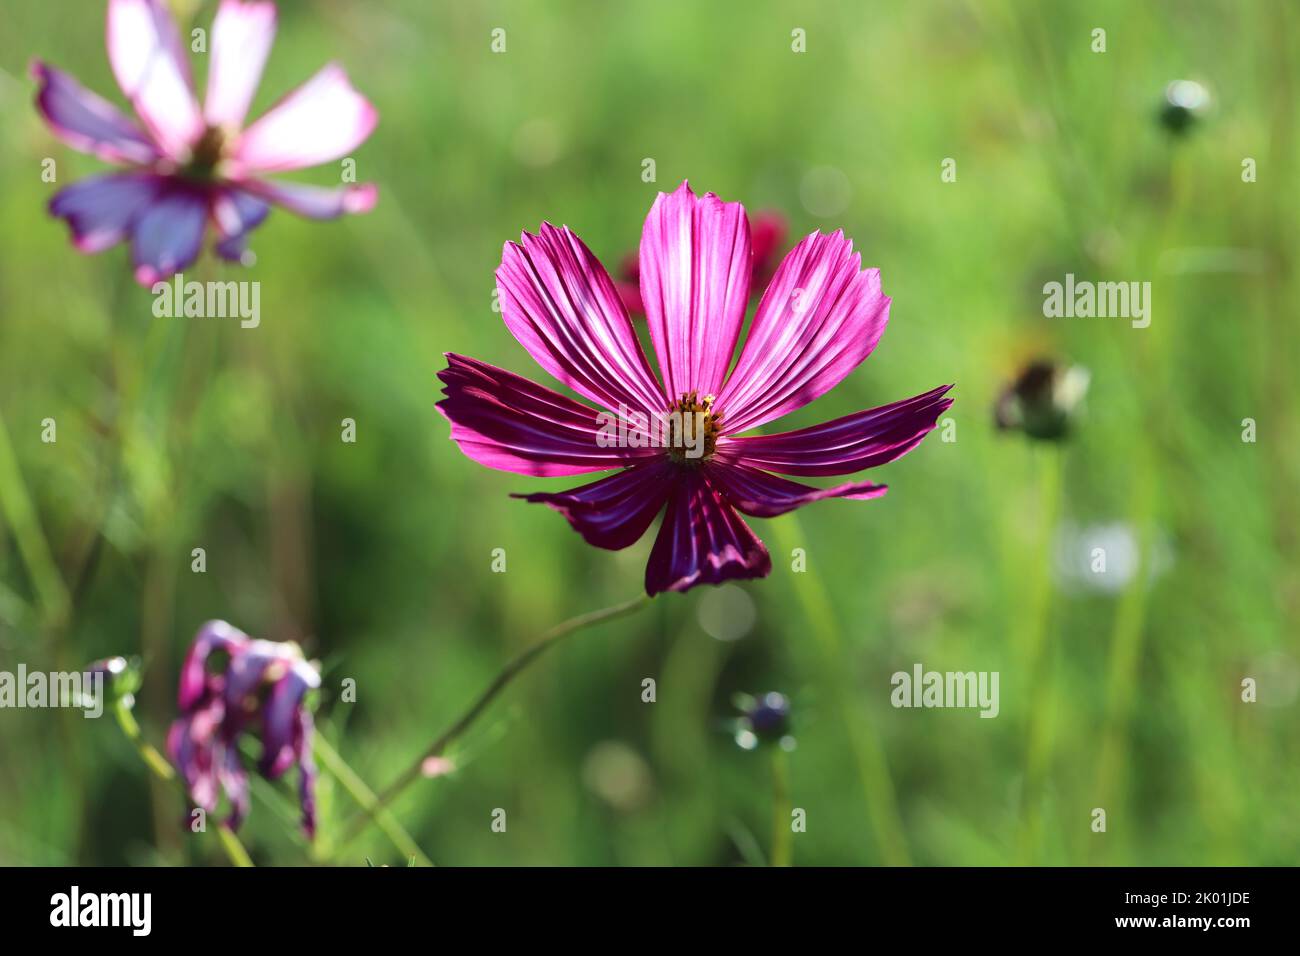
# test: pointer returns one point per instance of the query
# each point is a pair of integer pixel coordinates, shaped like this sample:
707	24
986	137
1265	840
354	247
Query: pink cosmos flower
767	235
187	165
260	688
820	316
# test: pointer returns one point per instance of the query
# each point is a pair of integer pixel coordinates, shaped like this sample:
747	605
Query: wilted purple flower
260	690
188	165
819	318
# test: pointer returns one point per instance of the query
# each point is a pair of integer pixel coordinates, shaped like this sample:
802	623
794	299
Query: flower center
693	429
206	154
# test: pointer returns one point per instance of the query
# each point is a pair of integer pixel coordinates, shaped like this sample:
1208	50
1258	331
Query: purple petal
507	422
757	493
234	781
615	511
702	541
320	121
149	62
558	301
237	214
315	202
280	718
242	34
818	319
306	771
244	675
695	275
102	210
861	440
212	636
88	122
169	234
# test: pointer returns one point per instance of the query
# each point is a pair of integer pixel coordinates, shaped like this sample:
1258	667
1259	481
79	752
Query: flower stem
366	799
782	834
868	749
155	761
1039	654
480	704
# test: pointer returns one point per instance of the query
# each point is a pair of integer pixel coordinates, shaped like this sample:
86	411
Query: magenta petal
212	636
88	122
169	234
242	34
818	319
315	202
149	62
101	210
702	541
615	511
695	273
757	493
320	121
561	305
861	440
507	422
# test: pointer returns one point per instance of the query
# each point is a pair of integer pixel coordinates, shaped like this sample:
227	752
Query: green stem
1039	658
480	704
782	834
21	515
868	751
366	799
235	851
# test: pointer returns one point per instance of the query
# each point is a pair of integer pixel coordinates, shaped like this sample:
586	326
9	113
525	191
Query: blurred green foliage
177	434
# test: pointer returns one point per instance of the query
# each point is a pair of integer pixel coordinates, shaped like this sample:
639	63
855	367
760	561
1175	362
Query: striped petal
845	445
507	422
615	511
559	302
757	493
702	541
818	319
695	272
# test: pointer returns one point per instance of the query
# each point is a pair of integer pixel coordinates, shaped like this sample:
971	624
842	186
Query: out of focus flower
231	686
120	678
1043	400
1107	557
767	236
677	440
764	720
186	165
1185	102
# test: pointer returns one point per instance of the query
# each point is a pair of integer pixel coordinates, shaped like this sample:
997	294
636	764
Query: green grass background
176	434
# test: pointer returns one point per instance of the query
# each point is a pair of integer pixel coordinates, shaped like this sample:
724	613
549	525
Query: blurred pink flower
260	688
186	164
820	316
